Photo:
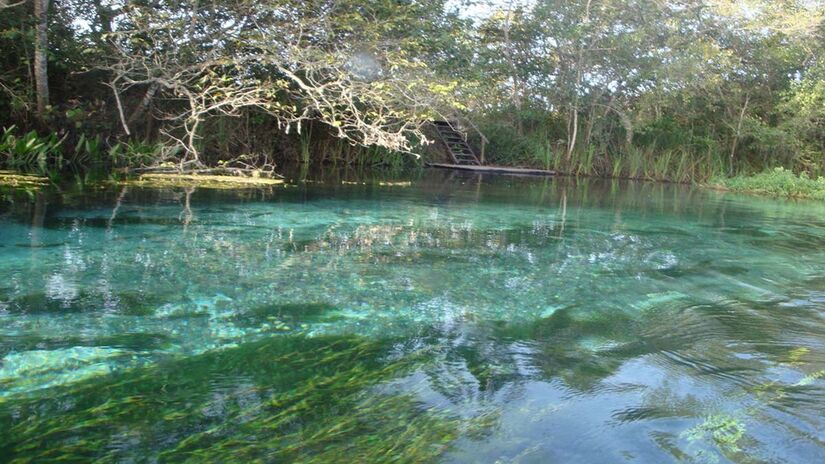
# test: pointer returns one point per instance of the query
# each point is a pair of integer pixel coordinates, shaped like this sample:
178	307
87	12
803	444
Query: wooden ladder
456	143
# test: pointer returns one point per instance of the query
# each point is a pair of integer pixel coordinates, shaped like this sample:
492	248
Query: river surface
443	318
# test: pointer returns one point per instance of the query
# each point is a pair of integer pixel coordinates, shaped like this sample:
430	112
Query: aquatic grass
811	378
657	167
684	171
312	400
636	163
728	432
585	162
689	163
725	430
545	155
617	167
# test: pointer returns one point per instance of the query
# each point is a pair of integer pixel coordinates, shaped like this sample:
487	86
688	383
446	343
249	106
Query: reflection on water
460	319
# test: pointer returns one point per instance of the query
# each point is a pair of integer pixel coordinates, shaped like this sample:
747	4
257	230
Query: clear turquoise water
456	319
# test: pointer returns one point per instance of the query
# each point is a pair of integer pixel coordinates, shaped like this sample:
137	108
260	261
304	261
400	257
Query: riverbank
779	182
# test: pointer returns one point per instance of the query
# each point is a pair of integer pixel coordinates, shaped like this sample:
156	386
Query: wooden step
456	143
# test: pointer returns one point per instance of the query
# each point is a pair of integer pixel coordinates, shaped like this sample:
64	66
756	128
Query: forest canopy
680	90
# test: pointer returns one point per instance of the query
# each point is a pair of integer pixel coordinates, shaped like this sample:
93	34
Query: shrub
30	152
779	181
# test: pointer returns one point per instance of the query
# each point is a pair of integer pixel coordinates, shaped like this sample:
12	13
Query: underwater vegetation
284	399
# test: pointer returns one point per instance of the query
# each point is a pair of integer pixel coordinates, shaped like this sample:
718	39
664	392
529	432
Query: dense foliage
680	90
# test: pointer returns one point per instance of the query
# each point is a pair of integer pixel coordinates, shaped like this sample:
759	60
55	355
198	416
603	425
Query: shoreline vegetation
712	93
779	182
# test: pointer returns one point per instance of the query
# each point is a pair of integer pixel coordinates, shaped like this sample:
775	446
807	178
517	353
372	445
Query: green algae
18	180
725	430
125	303
289	314
135	341
167	180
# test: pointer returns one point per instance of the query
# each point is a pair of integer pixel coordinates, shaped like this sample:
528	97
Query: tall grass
680	164
665	149
545	155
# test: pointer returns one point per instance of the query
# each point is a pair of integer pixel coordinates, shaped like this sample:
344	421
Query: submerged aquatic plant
299	399
723	432
726	431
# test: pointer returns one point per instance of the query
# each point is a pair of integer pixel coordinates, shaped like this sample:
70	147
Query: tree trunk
516	91
738	132
145	102
571	138
591	121
572	131
627	123
41	50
